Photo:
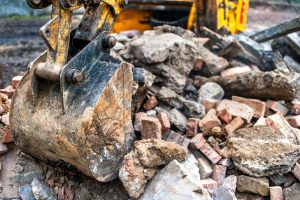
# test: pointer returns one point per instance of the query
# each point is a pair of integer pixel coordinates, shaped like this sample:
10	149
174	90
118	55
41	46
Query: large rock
167	53
262	151
141	164
210	90
254	185
292	193
190	108
176	183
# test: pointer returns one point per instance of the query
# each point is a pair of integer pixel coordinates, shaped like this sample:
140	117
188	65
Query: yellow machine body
214	14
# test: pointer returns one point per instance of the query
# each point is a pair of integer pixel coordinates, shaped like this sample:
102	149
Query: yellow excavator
74	103
190	14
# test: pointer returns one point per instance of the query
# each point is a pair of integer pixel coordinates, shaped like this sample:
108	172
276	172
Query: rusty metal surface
95	131
74	104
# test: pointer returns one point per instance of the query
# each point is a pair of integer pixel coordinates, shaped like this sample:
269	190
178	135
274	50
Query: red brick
209	121
210	153
219	173
225	116
224	153
204	168
151	128
198	64
197	142
178	139
235	124
276	193
209	184
138	120
165	122
15	81
9	91
294	121
210	104
236	109
296	171
232	73
258	106
150	103
192	127
277	107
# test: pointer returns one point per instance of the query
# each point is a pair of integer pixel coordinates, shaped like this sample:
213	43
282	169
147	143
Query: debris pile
227	101
220	120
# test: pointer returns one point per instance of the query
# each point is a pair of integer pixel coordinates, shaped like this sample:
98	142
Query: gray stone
254	185
223	193
178	119
292	193
3	149
277	179
210	90
262	151
144	160
191	165
25	192
174	182
41	191
191	108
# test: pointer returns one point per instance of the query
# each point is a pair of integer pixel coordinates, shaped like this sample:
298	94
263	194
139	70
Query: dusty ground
20	44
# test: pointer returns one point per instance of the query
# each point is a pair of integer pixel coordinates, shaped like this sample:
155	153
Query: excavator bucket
78	112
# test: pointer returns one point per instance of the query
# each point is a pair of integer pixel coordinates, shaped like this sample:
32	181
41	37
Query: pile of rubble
234	111
220	121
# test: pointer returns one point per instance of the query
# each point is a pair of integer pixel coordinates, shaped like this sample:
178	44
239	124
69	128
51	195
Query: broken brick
165	122
235	124
219	173
209	121
197	142
277	107
178	139
258	106
225	116
150	103
192	127
276	193
296	171
294	121
6	136
151	128
15	81
138	120
236	109
210	104
198	64
210	153
209	184
232	73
